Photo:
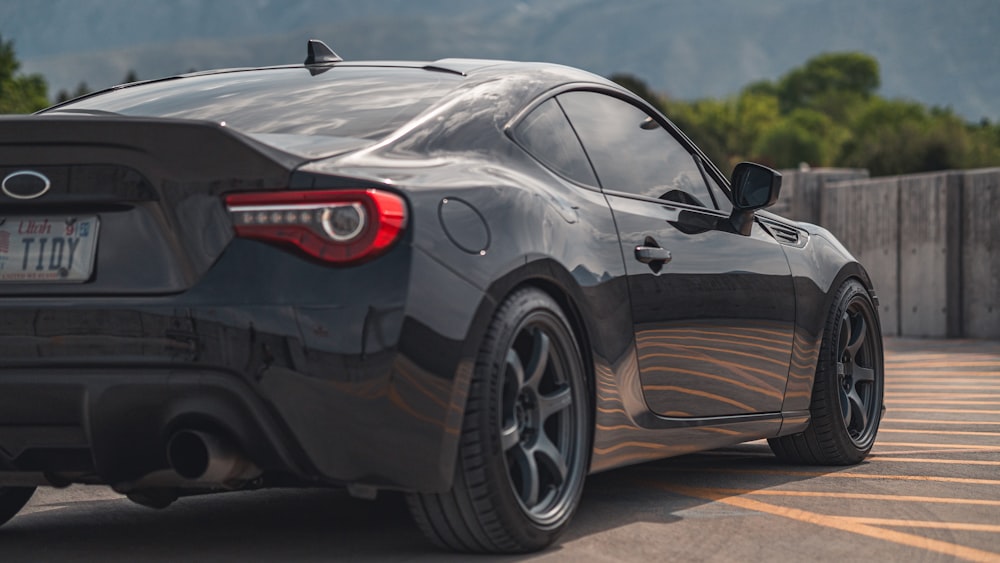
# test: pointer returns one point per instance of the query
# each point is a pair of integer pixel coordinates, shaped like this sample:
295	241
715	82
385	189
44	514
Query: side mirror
754	187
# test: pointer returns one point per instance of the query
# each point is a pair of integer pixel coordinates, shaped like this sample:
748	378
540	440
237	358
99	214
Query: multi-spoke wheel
847	395
525	440
12	500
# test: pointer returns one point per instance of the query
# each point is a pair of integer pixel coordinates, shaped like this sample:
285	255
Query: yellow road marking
963	480
951	446
860	496
939	451
973	363
839	523
945	387
950	397
931	460
946	432
946	411
939	402
961	526
932	422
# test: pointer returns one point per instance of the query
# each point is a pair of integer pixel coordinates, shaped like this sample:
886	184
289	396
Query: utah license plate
47	249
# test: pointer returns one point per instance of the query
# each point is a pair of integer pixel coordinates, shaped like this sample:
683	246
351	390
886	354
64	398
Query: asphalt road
929	492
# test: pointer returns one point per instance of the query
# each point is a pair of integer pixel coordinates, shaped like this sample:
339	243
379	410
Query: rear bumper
112	425
316	375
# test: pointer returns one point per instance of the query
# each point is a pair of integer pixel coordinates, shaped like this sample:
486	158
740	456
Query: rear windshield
363	102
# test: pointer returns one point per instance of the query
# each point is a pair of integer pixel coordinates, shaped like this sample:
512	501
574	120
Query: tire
12	500
525	443
846	405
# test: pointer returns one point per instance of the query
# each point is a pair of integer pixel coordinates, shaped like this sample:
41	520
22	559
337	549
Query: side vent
786	235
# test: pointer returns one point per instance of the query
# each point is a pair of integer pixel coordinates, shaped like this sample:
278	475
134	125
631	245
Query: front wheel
524	448
847	394
12	500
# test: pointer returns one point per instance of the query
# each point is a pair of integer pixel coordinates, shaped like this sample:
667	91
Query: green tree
827	113
81	90
796	138
829	83
19	93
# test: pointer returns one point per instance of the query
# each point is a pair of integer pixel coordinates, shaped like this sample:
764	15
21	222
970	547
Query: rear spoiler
184	151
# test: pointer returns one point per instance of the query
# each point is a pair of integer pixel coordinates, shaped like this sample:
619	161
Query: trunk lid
147	189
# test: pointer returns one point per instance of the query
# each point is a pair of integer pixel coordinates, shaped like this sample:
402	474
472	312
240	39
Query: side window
720	195
631	153
547	135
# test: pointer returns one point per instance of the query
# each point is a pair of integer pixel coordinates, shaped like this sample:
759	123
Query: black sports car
472	281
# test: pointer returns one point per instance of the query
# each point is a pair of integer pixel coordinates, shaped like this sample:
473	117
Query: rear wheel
525	440
847	395
12	500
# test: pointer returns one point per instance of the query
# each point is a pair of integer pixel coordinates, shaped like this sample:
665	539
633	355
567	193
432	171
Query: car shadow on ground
302	525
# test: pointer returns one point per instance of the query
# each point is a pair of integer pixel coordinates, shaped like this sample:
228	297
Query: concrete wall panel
801	191
929	255
981	254
864	215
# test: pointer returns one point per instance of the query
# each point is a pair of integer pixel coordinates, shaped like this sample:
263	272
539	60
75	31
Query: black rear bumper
112	425
317	375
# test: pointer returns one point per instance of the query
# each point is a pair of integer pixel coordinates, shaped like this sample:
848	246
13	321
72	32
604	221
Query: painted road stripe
944	398
940	451
890	403
933	460
960	526
943	373
900	364
933	422
944	388
844	524
783	473
980	447
860	496
945	432
945	411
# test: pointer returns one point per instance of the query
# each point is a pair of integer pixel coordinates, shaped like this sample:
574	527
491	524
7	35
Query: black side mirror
754	187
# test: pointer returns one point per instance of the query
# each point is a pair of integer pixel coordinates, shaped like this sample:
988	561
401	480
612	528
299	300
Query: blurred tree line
826	113
19	93
27	94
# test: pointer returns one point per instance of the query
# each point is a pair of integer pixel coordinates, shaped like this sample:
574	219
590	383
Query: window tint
546	134
721	199
365	102
631	153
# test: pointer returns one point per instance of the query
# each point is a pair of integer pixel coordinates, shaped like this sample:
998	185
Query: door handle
652	254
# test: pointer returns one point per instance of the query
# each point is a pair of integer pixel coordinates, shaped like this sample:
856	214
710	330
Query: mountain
938	53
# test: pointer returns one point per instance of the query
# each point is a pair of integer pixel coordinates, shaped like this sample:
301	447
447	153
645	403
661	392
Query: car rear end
180	309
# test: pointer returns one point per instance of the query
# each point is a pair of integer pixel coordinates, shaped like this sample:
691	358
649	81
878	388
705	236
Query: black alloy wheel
860	401
846	405
538	430
525	442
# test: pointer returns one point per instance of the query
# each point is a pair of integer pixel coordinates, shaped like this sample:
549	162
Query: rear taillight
338	226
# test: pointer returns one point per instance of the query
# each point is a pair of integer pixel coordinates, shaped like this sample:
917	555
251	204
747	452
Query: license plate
47	249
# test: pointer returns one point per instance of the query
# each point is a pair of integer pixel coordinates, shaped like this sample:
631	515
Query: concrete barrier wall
930	255
980	285
931	243
801	191
864	215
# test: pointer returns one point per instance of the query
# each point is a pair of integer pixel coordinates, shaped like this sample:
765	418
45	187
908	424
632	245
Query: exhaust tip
188	454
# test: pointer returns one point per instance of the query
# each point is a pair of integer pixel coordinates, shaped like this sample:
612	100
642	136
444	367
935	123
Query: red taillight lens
338	226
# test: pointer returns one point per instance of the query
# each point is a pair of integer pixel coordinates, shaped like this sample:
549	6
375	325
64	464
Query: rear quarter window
547	135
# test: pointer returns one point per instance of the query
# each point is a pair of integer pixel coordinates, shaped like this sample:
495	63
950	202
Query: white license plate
47	249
